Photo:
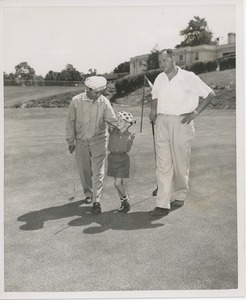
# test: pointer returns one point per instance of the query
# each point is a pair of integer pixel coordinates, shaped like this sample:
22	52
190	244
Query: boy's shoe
88	200
125	206
96	208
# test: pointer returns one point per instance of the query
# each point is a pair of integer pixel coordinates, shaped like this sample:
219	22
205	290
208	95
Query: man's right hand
152	116
71	148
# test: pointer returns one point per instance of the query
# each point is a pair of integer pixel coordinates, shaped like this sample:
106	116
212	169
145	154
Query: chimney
231	38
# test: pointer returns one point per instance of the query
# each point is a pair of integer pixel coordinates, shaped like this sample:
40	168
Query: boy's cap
128	117
96	83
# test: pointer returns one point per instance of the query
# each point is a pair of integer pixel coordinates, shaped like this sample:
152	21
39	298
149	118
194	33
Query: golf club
74	178
154	193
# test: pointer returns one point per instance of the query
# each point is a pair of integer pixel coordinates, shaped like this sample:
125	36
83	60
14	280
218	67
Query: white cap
96	83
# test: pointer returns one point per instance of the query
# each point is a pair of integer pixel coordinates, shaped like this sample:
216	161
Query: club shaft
153	133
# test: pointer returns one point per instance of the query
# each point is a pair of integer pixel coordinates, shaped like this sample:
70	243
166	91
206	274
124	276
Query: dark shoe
154	193
125	206
88	200
96	208
158	211
177	204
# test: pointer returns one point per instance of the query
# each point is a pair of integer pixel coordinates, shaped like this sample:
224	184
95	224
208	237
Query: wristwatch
196	112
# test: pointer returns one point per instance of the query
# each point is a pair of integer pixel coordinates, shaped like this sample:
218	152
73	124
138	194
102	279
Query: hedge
130	83
227	63
203	67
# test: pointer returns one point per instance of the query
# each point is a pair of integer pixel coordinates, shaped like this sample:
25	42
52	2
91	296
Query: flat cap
96	83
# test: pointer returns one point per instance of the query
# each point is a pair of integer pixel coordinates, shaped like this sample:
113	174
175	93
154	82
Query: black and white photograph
122	149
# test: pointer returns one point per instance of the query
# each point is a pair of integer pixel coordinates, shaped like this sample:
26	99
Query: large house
187	56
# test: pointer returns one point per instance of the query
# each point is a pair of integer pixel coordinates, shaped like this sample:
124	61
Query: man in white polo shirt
174	105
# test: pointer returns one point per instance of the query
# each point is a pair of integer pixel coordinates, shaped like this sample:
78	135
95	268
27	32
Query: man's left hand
188	117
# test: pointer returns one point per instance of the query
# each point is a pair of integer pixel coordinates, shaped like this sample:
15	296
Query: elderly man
86	134
175	104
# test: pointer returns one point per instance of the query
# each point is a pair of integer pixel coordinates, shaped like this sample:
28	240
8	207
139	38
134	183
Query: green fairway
19	94
51	245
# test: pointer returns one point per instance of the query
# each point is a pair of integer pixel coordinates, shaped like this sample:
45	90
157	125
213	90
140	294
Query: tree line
196	33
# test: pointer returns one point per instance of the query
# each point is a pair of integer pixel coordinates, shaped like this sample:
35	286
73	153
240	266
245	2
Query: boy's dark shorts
118	165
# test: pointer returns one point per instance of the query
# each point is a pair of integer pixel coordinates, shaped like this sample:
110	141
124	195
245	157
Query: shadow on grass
114	221
36	219
105	221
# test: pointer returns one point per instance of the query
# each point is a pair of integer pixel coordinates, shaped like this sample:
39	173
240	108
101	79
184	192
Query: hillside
222	82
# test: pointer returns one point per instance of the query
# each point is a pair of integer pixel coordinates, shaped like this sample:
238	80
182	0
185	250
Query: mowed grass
15	95
226	77
53	245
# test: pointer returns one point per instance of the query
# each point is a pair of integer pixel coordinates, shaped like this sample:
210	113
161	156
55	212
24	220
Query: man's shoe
177	204
96	208
158	211
125	206
88	200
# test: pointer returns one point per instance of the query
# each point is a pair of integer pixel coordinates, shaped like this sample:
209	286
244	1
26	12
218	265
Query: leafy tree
24	73
196	33
153	62
70	74
123	67
9	79
92	72
51	76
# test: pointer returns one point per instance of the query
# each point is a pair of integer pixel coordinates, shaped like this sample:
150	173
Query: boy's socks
125	205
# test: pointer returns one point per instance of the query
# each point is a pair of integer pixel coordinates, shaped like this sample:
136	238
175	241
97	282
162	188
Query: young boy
120	142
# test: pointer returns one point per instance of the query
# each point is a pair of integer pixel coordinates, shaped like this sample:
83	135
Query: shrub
227	63
130	83
17	104
198	67
203	67
211	66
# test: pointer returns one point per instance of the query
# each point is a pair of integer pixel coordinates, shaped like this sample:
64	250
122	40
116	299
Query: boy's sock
125	205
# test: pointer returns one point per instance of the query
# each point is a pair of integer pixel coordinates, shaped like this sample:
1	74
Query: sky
100	37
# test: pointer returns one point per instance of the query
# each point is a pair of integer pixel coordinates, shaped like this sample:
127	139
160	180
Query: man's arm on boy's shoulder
109	114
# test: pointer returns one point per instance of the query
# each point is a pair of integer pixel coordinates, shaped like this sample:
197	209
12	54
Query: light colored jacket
86	120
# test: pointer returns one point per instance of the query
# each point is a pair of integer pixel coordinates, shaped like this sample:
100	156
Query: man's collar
87	99
179	74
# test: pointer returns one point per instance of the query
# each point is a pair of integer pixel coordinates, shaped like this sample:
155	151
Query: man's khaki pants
90	161
173	150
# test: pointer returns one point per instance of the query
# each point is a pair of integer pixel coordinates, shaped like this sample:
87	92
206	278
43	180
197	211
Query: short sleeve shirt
120	142
179	95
